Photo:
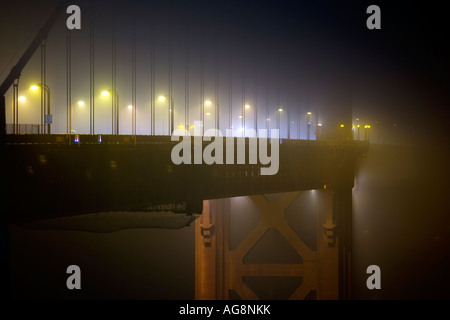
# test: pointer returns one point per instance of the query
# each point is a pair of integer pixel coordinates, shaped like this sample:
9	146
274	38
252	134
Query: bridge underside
49	177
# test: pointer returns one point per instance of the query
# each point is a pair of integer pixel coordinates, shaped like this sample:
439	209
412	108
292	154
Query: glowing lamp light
105	93
34	87
22	98
280	110
161	98
208	102
130	107
81	103
342	125
247	106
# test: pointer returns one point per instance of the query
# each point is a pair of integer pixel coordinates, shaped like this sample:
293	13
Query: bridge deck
48	177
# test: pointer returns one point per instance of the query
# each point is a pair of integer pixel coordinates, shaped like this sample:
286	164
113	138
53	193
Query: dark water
401	223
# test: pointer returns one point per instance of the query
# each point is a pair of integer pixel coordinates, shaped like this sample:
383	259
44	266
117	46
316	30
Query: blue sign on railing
48	119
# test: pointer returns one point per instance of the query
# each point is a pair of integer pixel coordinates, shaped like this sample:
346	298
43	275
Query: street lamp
319	131
308	123
45	102
170	111
114	108
366	131
247	107
216	113
280	110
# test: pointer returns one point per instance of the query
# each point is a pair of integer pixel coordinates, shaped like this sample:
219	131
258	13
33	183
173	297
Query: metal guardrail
24	128
79	139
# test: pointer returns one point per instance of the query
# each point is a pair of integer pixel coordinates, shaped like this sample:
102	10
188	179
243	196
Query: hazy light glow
22	98
247	106
342	125
280	109
81	103
161	98
105	93
309	113
208	102
130	107
34	87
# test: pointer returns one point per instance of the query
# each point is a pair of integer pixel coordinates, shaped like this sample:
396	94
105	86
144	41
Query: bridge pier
325	267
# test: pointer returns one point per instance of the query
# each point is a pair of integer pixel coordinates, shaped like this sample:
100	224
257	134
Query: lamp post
170	111
308	123
246	107
366	131
45	117
114	108
216	113
280	110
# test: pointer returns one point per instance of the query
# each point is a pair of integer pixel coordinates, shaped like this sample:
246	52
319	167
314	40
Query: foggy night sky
305	54
299	51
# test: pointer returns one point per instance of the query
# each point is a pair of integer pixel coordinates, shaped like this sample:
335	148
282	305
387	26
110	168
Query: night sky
314	56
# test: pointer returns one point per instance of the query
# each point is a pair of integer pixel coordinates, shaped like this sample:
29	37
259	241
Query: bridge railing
24	128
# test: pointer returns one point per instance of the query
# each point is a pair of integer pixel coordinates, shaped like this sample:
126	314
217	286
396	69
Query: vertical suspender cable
42	88
186	84
230	91
171	111
152	77
115	107
16	106
133	82
243	96
267	99
91	73
216	89
68	88
255	91
202	88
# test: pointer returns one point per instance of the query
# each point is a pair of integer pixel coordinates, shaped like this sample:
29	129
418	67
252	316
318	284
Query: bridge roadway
53	176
